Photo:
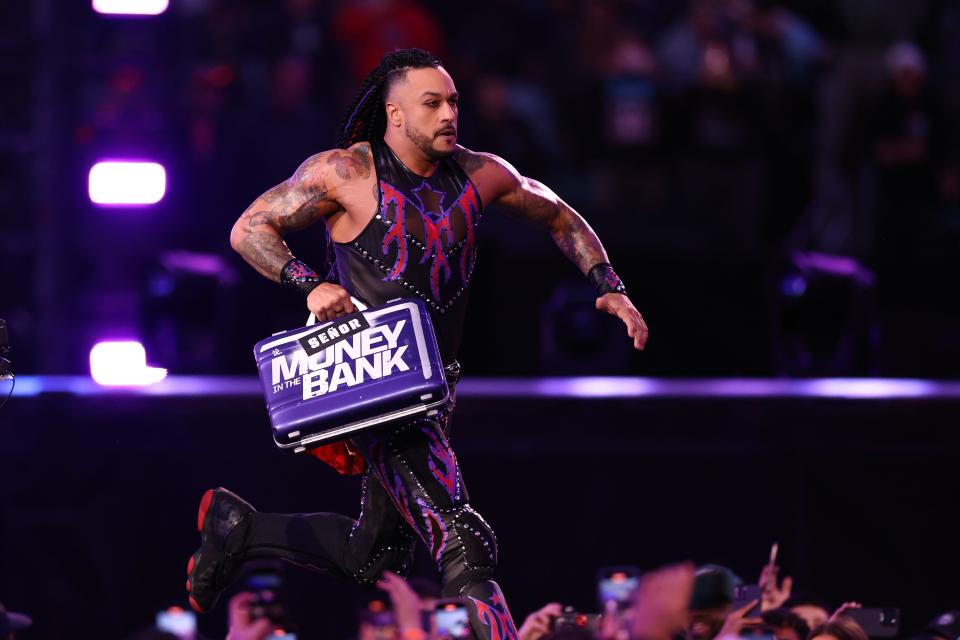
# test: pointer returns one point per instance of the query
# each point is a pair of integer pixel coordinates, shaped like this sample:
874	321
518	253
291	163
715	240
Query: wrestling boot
222	523
489	616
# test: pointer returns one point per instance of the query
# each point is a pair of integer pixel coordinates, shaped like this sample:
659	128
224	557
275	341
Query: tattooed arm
533	201
308	196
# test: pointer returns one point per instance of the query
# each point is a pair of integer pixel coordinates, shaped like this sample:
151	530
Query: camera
743	595
571	618
882	622
266	583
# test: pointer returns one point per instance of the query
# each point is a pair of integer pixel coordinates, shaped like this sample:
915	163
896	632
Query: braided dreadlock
365	118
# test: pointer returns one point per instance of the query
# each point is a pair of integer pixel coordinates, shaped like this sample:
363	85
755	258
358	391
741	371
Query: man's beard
425	144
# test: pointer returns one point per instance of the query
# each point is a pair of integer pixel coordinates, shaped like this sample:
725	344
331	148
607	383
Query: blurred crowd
746	135
677	602
706	125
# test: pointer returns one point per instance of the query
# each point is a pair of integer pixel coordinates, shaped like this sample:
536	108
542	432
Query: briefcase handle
312	319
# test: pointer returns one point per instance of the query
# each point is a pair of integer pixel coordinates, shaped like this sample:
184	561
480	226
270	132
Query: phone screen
744	595
179	622
263	581
618	586
452	621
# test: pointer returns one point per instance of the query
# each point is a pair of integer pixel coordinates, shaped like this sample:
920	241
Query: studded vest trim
421	242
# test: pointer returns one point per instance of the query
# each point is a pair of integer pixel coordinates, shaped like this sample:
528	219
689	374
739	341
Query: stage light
127	183
131	7
122	363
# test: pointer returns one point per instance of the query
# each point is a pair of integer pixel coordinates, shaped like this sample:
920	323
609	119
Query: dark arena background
777	182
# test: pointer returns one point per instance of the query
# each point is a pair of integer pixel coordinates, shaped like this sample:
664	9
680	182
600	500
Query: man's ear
394	117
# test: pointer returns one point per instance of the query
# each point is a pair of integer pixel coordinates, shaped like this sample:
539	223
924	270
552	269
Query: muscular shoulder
328	170
492	175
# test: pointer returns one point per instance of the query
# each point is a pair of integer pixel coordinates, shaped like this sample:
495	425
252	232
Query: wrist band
605	280
300	276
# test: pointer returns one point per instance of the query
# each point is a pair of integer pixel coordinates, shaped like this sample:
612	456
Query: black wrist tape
605	280
300	276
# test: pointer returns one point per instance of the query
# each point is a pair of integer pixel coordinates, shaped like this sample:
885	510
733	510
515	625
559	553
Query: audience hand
662	602
846	606
539	622
242	627
773	596
736	621
406	602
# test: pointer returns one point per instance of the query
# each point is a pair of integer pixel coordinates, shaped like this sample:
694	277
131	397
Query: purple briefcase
325	382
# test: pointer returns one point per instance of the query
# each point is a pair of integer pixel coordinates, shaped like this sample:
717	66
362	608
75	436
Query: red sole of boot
204	505
194	605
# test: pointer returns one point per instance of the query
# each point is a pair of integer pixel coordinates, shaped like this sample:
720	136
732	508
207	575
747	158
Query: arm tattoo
569	230
358	160
472	162
536	203
577	240
267	253
293	204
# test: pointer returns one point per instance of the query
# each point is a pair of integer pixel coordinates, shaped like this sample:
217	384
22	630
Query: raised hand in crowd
539	622
406	605
242	624
773	592
842	609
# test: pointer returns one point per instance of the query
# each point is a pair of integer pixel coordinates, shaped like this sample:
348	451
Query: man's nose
448	114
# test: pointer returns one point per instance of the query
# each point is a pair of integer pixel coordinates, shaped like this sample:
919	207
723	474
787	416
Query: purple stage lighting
126	182
131	7
122	363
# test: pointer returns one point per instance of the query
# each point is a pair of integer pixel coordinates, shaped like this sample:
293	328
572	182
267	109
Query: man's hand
328	301
736	621
619	305
846	606
538	623
241	625
662	599
772	594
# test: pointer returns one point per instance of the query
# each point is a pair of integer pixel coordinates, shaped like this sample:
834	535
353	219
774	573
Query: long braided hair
365	118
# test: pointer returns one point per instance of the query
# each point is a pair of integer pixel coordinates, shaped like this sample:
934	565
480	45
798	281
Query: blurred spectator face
705	624
632	56
908	68
291	84
424	104
492	98
812	614
786	633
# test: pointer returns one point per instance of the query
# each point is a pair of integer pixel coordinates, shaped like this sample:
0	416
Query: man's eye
431	104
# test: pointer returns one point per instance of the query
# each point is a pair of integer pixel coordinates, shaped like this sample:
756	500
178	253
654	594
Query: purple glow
131	7
127	182
859	389
122	363
842	266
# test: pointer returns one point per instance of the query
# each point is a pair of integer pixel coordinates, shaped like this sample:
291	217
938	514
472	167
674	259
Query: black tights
411	488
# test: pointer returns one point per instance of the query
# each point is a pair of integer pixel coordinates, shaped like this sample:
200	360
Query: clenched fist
329	301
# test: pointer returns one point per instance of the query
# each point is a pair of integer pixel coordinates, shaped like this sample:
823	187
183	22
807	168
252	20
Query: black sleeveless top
422	243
